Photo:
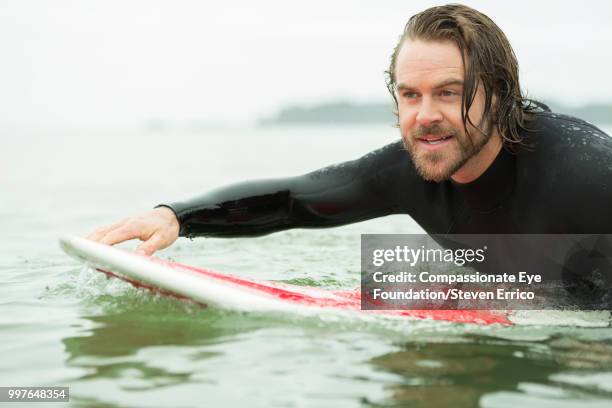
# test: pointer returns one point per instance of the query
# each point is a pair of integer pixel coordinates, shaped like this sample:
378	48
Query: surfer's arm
332	196
336	195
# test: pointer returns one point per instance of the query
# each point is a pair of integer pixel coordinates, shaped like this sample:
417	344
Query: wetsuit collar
493	187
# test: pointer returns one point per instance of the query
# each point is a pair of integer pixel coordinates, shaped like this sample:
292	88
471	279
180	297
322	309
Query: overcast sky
87	62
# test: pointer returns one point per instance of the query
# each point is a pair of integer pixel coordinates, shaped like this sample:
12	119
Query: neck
480	162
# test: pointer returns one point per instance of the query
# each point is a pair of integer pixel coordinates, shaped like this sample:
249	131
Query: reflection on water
121	347
124	334
461	374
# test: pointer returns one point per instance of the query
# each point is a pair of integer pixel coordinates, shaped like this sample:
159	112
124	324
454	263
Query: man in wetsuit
475	156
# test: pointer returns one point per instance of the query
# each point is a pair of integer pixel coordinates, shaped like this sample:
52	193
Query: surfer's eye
409	95
447	93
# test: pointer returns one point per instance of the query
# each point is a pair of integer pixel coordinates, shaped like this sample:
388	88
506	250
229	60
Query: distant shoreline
337	113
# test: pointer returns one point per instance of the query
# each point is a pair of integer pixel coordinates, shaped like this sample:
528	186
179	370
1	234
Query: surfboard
231	292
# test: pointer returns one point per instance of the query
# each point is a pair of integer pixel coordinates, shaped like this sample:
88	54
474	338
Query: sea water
114	345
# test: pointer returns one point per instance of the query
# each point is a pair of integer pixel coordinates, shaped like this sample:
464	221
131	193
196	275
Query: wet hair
488	59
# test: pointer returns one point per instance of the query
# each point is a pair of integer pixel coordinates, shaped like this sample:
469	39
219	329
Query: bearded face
429	92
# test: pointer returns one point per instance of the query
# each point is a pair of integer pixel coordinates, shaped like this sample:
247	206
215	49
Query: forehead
422	63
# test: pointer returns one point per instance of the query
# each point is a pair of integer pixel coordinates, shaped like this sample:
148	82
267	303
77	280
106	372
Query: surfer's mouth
431	140
434	139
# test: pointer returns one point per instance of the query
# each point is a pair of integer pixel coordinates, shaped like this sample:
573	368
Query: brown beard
467	146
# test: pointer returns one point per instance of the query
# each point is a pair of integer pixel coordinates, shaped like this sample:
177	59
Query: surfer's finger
151	245
97	234
123	233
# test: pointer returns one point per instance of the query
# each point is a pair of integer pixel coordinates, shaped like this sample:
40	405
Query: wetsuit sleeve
335	195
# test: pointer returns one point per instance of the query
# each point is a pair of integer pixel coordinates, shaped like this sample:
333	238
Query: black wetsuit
562	185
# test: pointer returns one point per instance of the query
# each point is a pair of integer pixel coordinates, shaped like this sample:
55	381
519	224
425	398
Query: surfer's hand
158	229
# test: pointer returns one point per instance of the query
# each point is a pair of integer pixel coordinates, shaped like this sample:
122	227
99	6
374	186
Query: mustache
434	130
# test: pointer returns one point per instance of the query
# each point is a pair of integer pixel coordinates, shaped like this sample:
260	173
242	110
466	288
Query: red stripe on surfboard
351	299
141	285
270	289
455	315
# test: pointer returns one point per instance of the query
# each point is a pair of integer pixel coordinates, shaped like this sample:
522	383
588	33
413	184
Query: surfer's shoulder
565	129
